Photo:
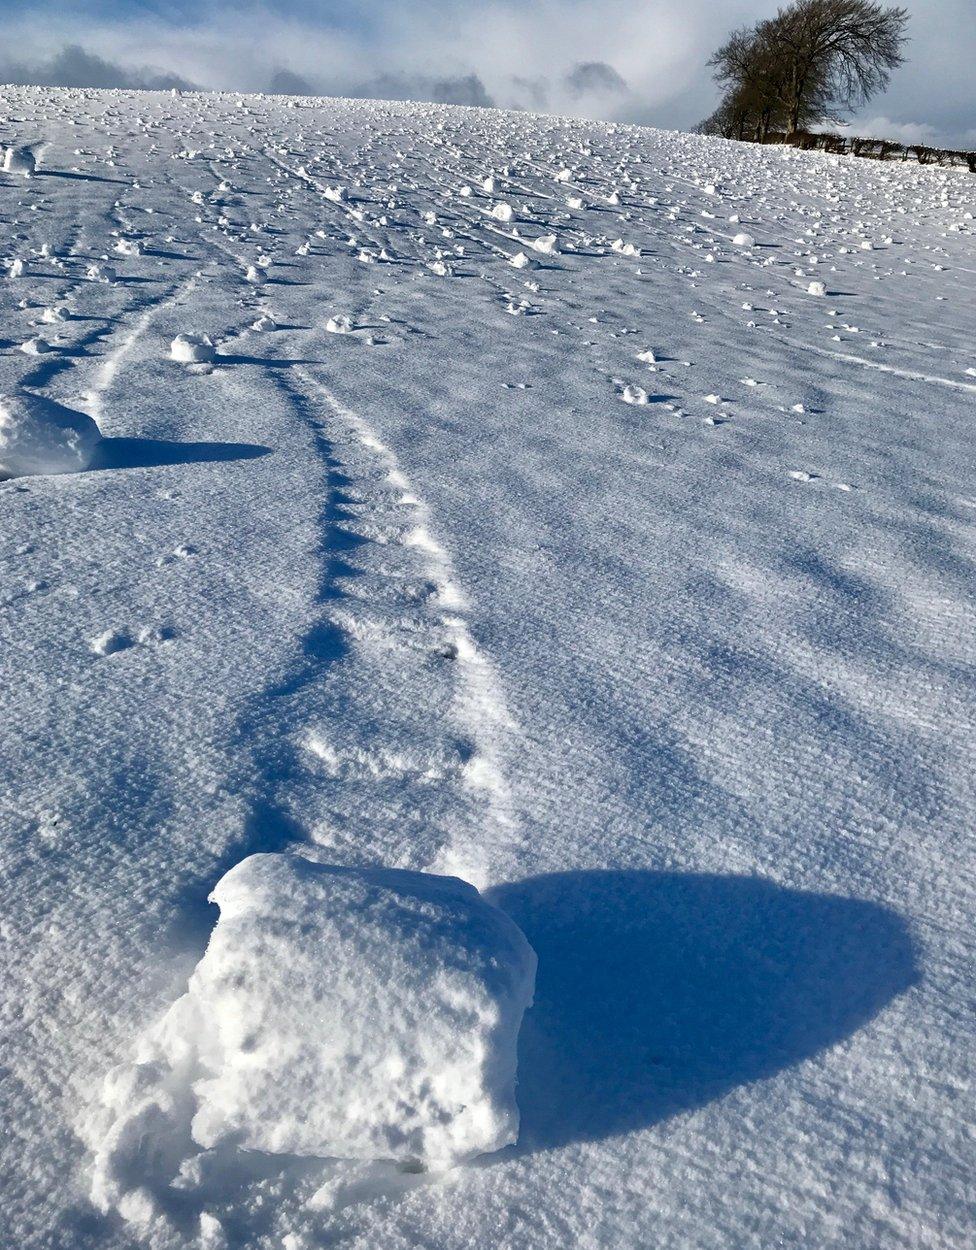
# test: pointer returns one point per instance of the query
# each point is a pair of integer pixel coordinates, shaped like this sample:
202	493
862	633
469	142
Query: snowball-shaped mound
192	349
743	240
634	395
38	435
362	1014
19	160
817	288
35	347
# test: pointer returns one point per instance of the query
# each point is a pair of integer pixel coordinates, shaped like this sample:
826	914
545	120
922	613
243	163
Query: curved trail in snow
478	706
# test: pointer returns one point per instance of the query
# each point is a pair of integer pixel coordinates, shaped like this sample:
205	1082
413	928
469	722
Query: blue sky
645	58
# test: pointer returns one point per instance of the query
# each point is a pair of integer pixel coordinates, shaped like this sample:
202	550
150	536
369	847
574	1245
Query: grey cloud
586	80
532	93
74	67
284	82
466	89
594	78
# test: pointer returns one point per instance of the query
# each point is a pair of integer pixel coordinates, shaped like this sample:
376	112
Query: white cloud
654	45
884	128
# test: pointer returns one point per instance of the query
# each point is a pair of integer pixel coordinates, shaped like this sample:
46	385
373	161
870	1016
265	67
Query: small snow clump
192	349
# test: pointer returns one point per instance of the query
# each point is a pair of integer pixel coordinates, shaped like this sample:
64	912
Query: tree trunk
797	85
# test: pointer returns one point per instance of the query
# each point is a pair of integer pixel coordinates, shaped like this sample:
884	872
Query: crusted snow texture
357	1014
38	435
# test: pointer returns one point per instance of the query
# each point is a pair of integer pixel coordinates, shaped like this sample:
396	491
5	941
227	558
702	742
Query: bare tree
732	119
841	51
740	67
803	66
756	78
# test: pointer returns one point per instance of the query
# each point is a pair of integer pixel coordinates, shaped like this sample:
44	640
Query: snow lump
20	160
192	348
39	436
356	1013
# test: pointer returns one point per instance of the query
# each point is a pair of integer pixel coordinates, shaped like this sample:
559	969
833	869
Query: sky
624	60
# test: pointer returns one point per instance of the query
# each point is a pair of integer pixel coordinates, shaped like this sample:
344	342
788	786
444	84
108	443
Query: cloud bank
628	60
73	66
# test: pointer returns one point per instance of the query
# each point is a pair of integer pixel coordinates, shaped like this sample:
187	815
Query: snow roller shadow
149	453
658	992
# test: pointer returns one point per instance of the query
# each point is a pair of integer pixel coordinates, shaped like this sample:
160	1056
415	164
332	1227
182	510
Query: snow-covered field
522	527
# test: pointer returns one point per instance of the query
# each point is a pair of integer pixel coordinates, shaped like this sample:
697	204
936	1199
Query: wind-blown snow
683	684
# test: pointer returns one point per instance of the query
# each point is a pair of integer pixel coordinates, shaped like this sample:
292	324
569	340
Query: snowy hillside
514	507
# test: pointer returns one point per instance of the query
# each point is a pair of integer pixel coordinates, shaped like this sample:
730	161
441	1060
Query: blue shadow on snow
147	453
658	992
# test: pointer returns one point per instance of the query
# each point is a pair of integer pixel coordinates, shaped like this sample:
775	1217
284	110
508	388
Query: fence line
874	149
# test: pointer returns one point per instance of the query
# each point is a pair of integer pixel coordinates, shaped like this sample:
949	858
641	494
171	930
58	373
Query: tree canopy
814	61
